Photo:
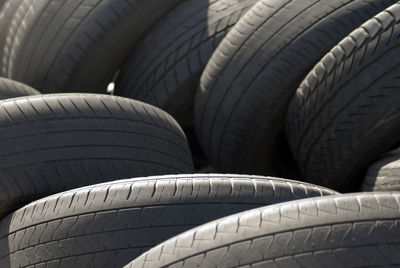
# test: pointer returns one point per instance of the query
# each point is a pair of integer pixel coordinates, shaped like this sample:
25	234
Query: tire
250	79
76	45
165	68
105	225
52	143
358	230
2	3
346	113
13	89
7	12
384	174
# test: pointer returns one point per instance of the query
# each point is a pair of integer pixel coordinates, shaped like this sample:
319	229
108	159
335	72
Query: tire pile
113	112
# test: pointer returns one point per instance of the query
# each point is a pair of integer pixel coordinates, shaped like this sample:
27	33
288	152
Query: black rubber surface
2	3
248	83
358	230
70	45
165	68
384	174
346	113
52	143
7	12
107	225
12	89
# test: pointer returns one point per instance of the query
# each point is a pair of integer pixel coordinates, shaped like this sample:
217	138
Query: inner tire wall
384	174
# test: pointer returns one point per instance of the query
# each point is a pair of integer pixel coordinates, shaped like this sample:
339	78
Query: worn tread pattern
75	45
346	113
165	68
384	174
357	230
7	12
52	143
13	89
106	225
248	83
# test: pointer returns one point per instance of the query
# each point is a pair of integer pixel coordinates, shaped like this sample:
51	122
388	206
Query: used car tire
165	68
384	174
106	225
2	3
13	89
346	113
7	12
251	77
357	230
52	143
65	46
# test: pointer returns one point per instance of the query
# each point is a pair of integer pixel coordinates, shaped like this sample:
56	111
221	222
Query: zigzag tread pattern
248	75
53	39
334	104
190	33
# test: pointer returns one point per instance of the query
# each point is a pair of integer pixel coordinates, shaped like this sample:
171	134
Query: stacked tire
384	174
340	231
108	225
304	89
65	46
52	143
244	93
346	112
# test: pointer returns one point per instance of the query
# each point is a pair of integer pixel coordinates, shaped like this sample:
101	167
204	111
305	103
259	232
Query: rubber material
13	89
165	68
76	45
107	225
250	79
346	113
52	143
358	230
7	12
384	174
2	3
